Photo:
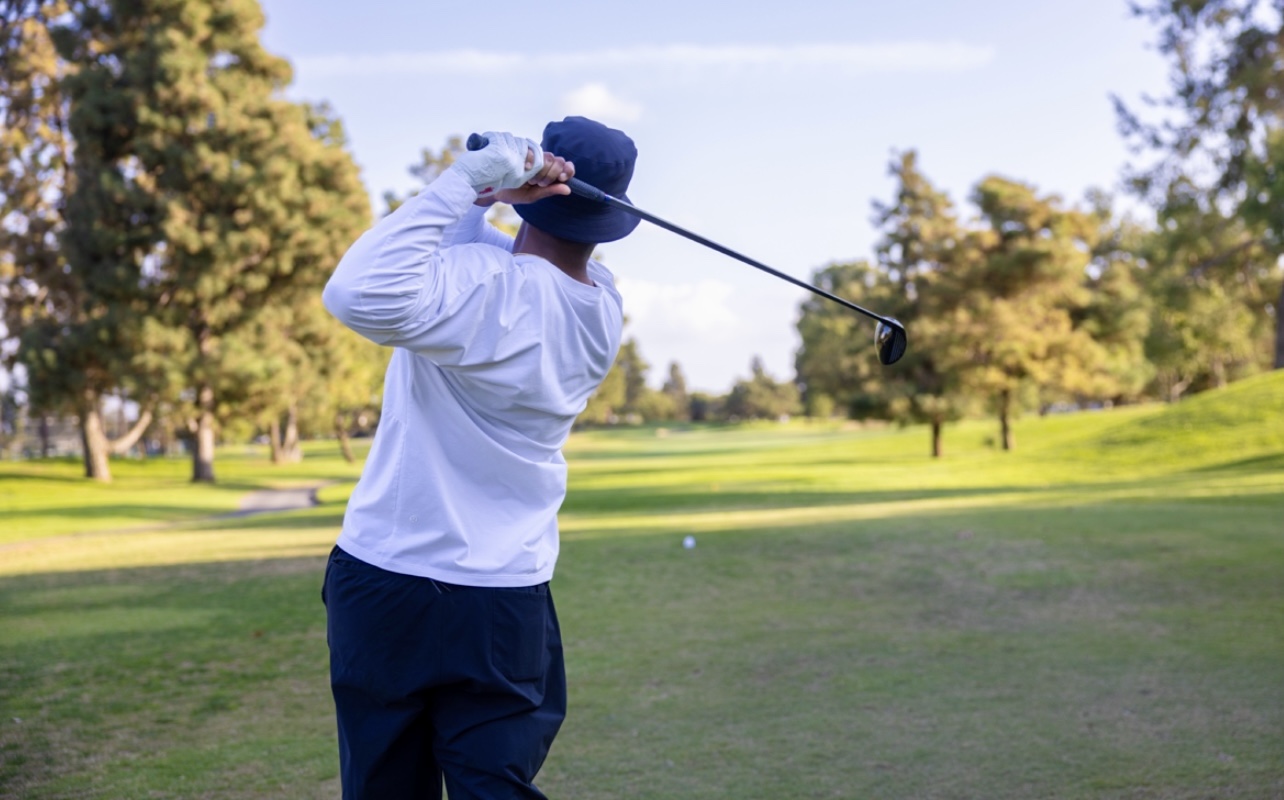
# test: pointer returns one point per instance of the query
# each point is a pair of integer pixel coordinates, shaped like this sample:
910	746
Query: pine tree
75	345
920	252
201	194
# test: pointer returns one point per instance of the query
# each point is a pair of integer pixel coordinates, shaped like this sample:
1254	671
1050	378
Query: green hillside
1230	426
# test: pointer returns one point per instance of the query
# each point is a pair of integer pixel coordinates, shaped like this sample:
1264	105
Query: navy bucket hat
604	158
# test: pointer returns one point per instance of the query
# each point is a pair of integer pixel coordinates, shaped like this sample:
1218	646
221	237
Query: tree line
167	221
1030	304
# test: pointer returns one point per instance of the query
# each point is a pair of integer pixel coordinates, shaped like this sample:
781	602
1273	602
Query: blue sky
766	127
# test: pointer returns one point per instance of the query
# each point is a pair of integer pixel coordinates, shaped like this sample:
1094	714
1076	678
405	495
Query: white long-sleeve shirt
495	355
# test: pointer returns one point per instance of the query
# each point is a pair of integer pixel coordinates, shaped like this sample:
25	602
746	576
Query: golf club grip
476	142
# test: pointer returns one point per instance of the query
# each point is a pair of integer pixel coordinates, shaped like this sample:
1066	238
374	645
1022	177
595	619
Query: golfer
445	652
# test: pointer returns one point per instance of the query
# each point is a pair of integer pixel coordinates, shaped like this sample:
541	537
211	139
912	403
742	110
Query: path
265	501
268	500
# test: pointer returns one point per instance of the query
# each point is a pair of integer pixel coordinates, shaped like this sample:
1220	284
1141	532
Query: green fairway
1099	614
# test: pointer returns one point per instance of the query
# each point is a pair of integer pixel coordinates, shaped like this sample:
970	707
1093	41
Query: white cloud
595	100
680	311
851	58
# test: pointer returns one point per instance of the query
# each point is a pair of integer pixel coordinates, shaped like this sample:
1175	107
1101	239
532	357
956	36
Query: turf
1097	615
50	497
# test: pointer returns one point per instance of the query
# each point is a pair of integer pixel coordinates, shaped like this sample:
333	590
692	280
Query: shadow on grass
1268	462
144	514
115	666
17	475
660	499
325	515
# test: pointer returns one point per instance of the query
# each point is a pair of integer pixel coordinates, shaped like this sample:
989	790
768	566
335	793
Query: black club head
891	341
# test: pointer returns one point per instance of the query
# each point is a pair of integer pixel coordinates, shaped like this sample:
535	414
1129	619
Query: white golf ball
688	542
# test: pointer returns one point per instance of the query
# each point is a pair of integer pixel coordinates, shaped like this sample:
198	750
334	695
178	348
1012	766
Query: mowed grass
1097	615
51	497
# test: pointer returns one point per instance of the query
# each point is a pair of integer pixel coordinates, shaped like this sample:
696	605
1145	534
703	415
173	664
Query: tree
1220	135
921	251
761	396
293	368
74	345
835	360
200	194
1119	310
912	281
633	367
675	388
603	407
1021	302
1212	286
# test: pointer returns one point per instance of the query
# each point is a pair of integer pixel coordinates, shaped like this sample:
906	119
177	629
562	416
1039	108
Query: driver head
891	341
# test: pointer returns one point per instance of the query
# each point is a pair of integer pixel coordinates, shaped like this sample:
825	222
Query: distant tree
1211	282
1219	134
675	389
921	252
917	257
1022	300
836	357
634	369
761	396
1119	310
604	406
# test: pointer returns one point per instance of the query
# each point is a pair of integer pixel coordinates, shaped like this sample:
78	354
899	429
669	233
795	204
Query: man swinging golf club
445	652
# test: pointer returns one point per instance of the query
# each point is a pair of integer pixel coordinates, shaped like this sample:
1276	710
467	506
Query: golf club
889	336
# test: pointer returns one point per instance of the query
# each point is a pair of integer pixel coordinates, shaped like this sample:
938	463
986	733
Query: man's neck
570	257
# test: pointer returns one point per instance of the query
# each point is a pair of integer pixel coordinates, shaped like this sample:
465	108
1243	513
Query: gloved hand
501	164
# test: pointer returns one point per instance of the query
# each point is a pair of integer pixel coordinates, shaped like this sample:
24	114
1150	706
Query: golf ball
688	542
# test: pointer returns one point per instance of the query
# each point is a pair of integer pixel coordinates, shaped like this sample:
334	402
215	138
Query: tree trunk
284	440
130	438
274	440
1005	425
293	452
1218	368
93	438
936	438
203	444
1279	330
341	433
45	446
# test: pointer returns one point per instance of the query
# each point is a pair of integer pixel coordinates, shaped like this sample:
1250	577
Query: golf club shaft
579	187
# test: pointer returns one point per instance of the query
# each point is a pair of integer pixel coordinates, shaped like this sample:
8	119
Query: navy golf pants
437	681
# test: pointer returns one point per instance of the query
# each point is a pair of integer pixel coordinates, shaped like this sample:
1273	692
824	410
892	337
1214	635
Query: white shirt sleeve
398	285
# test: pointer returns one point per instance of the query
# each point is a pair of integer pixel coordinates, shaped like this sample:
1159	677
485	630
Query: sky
766	127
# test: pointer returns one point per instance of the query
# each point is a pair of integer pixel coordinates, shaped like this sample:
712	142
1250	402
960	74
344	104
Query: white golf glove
501	164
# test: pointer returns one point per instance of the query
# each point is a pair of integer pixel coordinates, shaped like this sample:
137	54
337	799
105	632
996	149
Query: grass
1097	615
51	498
